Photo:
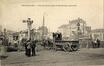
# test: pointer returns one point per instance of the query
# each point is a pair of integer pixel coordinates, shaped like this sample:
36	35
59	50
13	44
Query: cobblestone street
83	57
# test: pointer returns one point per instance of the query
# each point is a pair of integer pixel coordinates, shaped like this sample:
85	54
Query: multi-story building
43	32
75	29
65	30
77	25
98	34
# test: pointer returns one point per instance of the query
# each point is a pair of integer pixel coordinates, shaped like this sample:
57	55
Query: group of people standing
96	43
30	48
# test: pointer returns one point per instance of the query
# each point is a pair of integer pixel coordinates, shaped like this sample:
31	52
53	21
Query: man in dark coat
98	43
44	43
33	46
25	44
28	48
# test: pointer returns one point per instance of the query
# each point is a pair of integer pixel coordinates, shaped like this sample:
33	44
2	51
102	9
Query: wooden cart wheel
69	49
74	47
64	47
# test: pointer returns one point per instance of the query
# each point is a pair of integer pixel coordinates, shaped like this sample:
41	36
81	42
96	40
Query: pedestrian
98	43
33	46
92	44
44	43
28	48
25	44
15	43
95	43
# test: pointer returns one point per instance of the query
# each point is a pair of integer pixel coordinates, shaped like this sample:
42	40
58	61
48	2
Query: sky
13	12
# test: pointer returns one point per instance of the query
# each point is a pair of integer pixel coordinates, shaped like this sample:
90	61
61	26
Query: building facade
75	29
42	32
98	34
65	30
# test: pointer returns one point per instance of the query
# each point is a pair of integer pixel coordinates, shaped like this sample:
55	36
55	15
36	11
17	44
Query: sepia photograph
51	33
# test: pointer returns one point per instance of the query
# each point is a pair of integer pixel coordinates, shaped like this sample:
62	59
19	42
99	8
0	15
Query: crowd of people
30	46
96	43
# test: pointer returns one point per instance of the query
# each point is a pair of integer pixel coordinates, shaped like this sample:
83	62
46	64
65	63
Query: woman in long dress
28	49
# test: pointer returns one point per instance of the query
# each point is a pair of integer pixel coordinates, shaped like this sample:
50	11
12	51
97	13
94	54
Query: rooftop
80	20
98	30
63	26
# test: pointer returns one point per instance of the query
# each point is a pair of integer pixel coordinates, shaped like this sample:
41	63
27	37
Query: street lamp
29	23
78	29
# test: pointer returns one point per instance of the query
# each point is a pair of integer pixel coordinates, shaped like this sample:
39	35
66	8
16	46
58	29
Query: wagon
66	45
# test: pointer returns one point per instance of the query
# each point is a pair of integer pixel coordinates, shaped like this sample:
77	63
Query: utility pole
29	25
78	31
43	27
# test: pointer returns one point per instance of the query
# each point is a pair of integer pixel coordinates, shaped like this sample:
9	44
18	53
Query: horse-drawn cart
66	45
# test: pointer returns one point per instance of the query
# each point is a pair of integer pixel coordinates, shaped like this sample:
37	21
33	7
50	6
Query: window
96	36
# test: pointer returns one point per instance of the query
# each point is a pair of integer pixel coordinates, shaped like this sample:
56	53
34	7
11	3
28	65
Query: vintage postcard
51	32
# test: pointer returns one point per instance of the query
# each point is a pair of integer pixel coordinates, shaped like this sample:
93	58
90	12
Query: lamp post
43	28
78	29
29	23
